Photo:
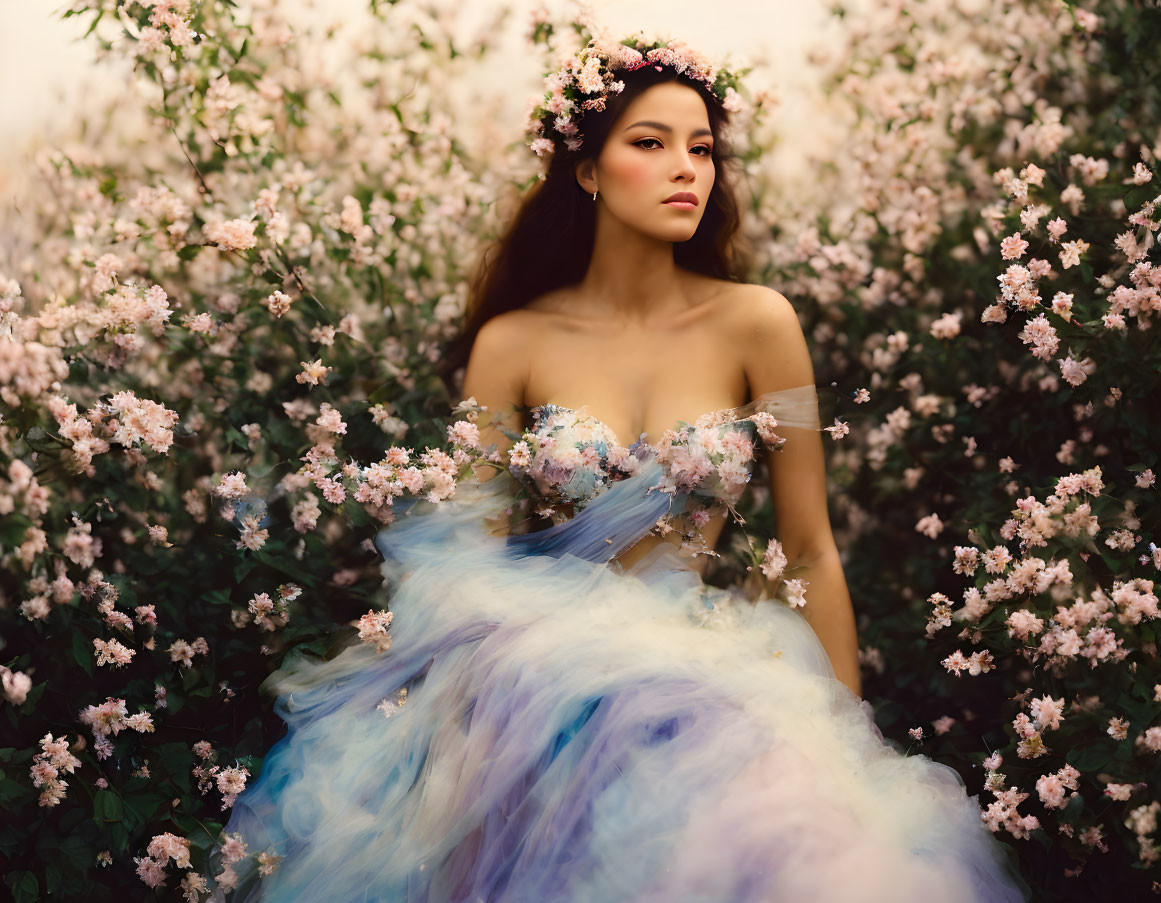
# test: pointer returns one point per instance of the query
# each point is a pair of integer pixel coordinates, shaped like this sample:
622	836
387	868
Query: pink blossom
331	420
1013	246
112	652
1119	792
142	722
931	525
164	847
465	434
150	871
233	848
267	863
773	560
373	628
313	372
519	455
181	653
796	591
277	303
1048	712
227	879
231	486
16	685
146	614
193	885
1149	740
231	235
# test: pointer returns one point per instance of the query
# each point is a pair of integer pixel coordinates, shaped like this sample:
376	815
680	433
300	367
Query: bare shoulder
761	308
502	332
752	314
769	336
497	365
512	330
502	350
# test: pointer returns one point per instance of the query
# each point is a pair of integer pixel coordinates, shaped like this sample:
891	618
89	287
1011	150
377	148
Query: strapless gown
549	726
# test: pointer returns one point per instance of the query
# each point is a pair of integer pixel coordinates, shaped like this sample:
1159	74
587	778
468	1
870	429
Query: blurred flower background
48	58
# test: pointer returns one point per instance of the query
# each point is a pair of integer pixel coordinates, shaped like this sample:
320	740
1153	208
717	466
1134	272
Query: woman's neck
631	276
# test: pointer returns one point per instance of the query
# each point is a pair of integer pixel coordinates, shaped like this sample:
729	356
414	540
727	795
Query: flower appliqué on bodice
566	457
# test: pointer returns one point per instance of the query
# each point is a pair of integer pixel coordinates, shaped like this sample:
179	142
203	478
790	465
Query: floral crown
587	79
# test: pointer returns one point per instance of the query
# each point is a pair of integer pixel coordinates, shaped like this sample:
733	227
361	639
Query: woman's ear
586	177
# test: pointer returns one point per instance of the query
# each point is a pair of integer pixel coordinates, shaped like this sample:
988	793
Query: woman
563	710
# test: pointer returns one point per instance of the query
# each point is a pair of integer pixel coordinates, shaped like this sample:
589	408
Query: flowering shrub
218	327
216	378
990	281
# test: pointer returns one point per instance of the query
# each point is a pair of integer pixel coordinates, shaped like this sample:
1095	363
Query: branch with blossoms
993	386
162	326
1066	606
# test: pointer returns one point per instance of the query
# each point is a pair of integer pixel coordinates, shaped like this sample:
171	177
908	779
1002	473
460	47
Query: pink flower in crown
589	79
590	74
560	105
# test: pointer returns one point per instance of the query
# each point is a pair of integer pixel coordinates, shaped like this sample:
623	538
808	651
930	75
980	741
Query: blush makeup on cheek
634	173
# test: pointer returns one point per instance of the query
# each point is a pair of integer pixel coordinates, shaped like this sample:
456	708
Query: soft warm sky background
47	74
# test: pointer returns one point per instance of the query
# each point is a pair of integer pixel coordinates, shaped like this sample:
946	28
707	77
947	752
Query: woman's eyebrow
664	128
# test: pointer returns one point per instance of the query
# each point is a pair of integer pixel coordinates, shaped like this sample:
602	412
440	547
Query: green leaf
53	879
82	654
107	807
14	793
25	887
13	528
119	839
29	704
189	677
1090	758
244	567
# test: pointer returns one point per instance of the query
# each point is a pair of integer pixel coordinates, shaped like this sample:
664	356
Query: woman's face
660	145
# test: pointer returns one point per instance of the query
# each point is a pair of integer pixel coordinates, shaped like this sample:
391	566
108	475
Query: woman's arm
776	358
496	375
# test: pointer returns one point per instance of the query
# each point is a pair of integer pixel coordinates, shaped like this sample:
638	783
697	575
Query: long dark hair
549	241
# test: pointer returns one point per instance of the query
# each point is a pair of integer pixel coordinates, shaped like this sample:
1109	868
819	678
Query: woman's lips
682	205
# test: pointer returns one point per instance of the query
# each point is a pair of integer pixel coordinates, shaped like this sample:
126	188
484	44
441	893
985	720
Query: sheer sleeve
803	407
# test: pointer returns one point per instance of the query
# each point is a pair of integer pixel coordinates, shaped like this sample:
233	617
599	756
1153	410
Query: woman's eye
704	147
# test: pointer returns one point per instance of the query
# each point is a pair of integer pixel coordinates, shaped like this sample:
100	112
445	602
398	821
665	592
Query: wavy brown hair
549	241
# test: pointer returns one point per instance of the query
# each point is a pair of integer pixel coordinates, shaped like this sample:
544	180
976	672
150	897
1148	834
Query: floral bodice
566	457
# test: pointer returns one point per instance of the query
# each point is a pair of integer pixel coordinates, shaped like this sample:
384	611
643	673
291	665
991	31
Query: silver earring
594	195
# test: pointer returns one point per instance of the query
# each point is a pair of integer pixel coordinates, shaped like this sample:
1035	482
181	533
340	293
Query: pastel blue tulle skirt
575	731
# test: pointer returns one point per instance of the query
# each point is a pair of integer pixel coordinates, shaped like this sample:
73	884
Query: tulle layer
576	732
